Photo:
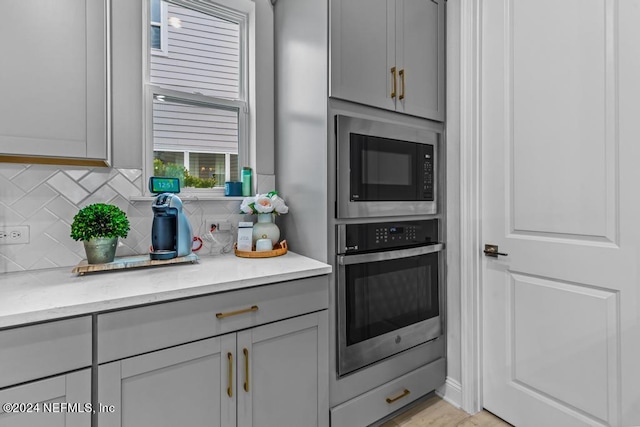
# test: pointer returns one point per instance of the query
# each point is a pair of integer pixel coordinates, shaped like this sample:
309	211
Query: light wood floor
435	412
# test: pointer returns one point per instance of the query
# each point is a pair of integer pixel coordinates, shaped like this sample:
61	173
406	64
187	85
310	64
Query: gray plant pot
100	250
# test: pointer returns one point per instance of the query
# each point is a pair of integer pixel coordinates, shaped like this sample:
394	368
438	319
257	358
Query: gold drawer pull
230	387
246	369
234	313
403	394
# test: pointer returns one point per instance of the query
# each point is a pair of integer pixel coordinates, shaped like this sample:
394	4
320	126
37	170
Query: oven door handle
388	255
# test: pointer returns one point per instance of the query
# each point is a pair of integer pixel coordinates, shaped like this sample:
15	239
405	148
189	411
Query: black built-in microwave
385	169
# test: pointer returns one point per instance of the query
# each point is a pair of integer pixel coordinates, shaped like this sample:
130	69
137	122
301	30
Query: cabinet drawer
374	405
38	351
131	332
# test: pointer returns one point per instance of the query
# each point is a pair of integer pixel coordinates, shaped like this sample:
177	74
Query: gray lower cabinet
45	374
282	373
183	385
60	401
252	357
264	376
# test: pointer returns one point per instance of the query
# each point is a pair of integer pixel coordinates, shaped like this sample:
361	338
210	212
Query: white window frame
164	45
242	12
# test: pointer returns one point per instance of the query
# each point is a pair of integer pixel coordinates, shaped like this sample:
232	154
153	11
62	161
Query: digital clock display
164	185
396	230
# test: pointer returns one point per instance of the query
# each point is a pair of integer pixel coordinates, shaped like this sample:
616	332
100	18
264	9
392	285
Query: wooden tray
278	249
135	261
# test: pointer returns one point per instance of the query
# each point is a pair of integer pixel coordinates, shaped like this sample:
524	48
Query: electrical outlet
15	235
217	224
224	226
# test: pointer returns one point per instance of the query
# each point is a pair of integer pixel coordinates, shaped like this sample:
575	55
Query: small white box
245	232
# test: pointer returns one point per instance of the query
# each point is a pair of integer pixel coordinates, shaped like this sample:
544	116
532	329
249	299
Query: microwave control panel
427	167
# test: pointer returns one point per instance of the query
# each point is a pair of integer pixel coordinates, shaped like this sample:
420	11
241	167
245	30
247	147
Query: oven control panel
355	238
396	234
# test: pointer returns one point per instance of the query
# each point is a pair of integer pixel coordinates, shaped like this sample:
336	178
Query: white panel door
560	120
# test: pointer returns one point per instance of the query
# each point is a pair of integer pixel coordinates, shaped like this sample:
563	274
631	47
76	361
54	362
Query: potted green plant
99	226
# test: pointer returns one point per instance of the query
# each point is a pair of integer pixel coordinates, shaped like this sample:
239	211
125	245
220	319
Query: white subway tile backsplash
46	198
62	257
76	174
9	170
60	231
34	201
8	266
26	257
43	263
40	222
103	195
97	178
9	216
64	185
31	177
9	192
124	187
62	208
131	174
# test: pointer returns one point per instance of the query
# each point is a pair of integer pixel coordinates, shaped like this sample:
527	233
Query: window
198	89
158	36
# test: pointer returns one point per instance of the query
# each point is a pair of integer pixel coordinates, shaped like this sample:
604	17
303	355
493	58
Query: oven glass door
383	169
386	306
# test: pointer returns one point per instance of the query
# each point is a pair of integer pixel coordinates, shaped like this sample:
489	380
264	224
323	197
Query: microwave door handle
389	255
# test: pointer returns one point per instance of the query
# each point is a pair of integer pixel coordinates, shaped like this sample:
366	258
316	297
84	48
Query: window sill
189	198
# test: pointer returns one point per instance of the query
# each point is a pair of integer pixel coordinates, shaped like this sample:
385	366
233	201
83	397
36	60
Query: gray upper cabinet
389	54
53	80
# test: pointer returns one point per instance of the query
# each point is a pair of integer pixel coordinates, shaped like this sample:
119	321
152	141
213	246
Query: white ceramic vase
265	228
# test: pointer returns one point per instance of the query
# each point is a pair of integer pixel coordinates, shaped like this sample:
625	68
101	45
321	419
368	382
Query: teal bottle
246	181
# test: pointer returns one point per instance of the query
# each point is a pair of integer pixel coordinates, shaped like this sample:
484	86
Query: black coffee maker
171	234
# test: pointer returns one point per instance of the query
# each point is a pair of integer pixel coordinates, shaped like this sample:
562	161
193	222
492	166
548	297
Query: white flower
263	204
278	205
245	205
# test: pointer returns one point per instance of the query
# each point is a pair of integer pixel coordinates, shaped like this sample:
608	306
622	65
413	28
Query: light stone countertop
42	295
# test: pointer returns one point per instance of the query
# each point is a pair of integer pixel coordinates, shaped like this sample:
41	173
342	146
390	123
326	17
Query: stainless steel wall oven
388	288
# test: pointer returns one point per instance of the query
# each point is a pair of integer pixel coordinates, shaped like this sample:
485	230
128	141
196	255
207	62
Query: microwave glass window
385	296
386	168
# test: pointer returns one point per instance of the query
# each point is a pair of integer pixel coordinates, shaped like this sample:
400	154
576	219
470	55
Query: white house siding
202	57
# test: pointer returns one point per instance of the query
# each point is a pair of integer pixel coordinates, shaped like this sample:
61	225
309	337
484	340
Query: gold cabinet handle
230	387
235	313
246	369
400	396
394	84
401	84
